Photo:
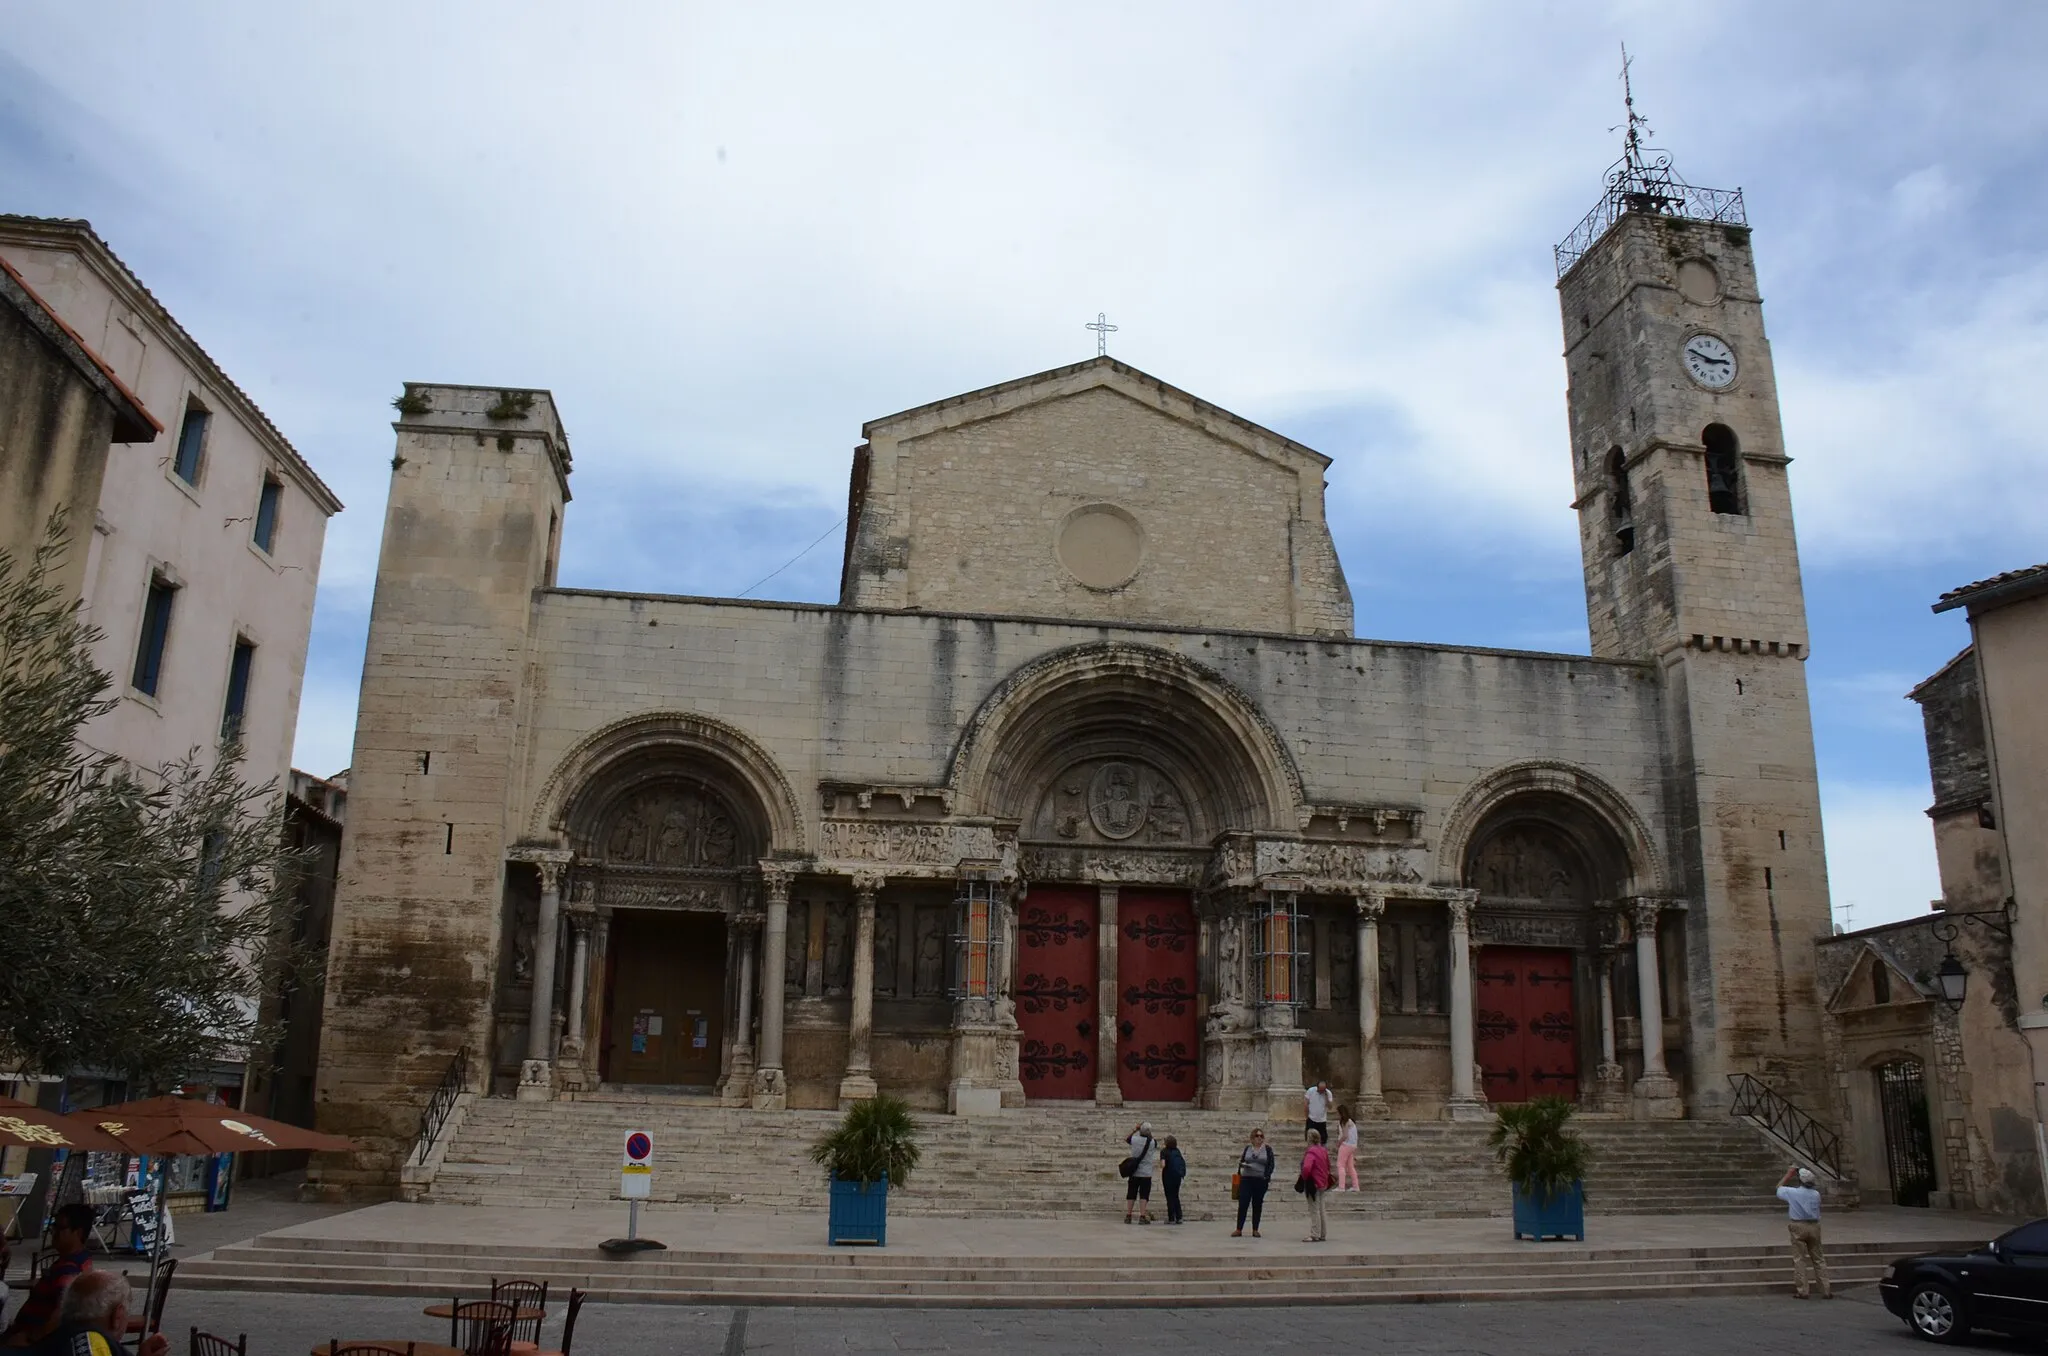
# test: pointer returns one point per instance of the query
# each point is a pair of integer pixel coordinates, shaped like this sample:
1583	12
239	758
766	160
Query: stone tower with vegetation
478	483
1685	525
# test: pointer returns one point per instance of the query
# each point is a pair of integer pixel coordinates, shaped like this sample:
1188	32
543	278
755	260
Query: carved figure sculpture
838	954
929	974
1113	802
1524	862
1229	959
674	826
1343	963
1390	966
885	951
796	949
1429	968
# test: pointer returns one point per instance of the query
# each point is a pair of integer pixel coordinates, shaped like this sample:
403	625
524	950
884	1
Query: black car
2002	1286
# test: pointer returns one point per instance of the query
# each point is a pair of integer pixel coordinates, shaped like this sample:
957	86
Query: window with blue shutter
266	514
238	689
156	634
191	442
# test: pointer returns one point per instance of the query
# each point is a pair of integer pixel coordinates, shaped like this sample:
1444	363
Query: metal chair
206	1344
481	1327
158	1295
335	1348
576	1298
523	1295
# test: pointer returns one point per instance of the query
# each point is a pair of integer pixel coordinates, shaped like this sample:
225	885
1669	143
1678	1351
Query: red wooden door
1158	1046
1056	950
1527	1038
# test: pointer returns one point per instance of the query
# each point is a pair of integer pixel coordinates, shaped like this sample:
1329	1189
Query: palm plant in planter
874	1145
1546	1160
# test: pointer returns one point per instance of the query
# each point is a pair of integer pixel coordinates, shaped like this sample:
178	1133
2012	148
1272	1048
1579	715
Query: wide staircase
1061	1162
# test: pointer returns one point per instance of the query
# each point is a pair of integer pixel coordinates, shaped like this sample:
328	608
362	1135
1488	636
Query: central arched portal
1121	766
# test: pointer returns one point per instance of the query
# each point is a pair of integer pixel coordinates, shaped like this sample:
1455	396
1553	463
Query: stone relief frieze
673	826
1326	867
893	844
655	890
1129	866
1520	929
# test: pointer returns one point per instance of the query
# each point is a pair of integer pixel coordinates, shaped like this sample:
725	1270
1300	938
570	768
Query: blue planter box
1559	1216
860	1213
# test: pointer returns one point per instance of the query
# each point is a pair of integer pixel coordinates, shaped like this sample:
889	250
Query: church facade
1085	790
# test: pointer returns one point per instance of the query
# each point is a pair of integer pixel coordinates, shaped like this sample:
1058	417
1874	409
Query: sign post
636	1184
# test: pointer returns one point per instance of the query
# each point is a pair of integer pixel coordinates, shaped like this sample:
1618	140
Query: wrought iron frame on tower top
1643	181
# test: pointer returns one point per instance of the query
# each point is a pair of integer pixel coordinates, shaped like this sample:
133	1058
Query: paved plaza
289	1324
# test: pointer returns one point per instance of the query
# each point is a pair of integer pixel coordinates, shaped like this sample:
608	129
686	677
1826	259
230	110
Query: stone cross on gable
1103	329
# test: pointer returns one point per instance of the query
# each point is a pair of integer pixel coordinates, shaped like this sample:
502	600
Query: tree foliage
142	910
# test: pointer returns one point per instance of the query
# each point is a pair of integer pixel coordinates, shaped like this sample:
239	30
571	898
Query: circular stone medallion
1116	804
1698	283
1101	546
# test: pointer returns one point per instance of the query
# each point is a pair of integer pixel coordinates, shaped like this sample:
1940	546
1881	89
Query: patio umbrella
28	1125
187	1125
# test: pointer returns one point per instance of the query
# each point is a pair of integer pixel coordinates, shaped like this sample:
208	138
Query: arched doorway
1908	1133
1540	861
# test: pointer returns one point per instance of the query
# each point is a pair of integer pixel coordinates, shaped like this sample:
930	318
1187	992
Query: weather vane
1103	329
1638	125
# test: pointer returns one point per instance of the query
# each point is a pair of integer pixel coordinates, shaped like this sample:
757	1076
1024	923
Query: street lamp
1953	978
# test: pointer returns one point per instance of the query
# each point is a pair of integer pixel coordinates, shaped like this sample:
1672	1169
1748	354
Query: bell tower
1685	527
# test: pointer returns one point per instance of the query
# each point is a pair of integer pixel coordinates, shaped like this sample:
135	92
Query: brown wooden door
666	1021
1056	1007
1158	1046
1527	1038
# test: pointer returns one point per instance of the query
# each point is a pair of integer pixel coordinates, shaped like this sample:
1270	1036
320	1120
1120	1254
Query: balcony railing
1651	186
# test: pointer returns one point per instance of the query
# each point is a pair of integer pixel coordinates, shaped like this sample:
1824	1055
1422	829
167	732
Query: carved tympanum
1116	800
1527	862
673	826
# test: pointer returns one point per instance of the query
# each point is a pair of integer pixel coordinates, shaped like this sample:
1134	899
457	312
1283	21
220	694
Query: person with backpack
1313	1182
1172	1168
1254	1174
1137	1170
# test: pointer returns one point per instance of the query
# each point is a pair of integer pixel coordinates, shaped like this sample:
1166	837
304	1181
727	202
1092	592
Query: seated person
38	1316
93	1318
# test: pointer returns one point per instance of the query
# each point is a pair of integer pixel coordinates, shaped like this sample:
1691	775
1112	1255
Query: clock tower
1685	528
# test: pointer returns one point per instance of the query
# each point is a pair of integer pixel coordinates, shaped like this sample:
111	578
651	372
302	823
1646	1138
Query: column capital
1645	910
1372	905
867	884
552	864
1460	903
775	881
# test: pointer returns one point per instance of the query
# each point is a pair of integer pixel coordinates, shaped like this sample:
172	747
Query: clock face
1710	361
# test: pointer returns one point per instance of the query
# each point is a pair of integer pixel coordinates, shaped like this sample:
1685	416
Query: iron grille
1908	1139
1279	954
1651	186
977	940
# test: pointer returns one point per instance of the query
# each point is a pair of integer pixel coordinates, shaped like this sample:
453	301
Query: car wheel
1933	1312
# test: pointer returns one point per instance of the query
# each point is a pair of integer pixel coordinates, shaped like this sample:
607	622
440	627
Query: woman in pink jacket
1314	1181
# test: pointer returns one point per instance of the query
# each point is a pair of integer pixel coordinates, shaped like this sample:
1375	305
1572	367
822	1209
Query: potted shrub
875	1145
1546	1161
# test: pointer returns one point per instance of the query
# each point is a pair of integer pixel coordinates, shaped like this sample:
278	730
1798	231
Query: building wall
2012	657
55	429
149	520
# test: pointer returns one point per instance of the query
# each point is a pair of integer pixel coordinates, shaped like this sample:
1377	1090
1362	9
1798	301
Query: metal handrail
435	1115
1785	1122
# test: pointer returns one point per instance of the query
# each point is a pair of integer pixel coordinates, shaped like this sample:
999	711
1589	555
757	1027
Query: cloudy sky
725	235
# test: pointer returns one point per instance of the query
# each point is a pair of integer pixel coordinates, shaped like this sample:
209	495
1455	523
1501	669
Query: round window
1101	546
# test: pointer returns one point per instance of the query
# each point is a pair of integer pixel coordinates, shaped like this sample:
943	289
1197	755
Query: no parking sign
636	1168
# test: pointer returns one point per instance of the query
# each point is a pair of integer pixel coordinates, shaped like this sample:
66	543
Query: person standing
1254	1174
1317	1100
1144	1159
1172	1168
1315	1180
1802	1205
1347	1150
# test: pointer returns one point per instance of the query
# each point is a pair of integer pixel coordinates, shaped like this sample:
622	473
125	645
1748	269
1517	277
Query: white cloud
1880	847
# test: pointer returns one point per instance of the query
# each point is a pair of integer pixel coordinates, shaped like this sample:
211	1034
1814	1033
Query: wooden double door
1525	1024
665	1003
1157	1037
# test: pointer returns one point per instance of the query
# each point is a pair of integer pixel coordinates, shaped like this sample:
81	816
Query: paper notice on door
639	1043
654	1024
703	1036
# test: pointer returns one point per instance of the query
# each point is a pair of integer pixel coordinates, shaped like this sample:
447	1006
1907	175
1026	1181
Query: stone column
1608	1089
1466	1103
536	1074
746	928
579	981
1107	1093
859	1082
771	1089
1372	1098
1656	1094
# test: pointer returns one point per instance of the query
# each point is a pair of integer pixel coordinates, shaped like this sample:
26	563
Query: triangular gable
1104	372
1905	989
